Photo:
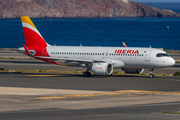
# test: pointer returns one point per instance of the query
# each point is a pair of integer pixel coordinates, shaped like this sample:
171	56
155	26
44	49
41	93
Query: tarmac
70	96
26	96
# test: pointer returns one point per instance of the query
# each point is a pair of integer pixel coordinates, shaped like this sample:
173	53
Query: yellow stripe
27	20
121	92
148	92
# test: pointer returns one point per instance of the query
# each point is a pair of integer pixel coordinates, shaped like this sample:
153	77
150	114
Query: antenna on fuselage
81	45
150	46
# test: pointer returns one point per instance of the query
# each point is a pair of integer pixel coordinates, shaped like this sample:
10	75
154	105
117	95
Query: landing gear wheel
152	76
151	73
87	74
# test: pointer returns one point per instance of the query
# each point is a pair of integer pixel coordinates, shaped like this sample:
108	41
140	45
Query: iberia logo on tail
34	40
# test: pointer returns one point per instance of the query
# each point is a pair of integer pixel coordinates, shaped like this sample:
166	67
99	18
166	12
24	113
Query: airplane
99	60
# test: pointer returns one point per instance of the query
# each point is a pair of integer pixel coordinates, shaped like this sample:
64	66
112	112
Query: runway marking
42	75
121	92
43	91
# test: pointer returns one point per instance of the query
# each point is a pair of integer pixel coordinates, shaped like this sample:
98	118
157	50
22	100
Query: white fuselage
132	57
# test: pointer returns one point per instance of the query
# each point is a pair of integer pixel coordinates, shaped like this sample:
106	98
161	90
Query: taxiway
71	96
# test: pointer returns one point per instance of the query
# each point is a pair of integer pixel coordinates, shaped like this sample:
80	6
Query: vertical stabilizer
124	44
32	36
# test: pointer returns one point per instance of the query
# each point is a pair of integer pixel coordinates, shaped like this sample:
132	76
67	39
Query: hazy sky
156	0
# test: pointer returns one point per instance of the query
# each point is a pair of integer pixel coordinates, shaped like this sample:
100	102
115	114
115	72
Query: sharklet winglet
124	44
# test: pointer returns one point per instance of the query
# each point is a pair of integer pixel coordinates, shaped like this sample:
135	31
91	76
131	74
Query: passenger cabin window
162	55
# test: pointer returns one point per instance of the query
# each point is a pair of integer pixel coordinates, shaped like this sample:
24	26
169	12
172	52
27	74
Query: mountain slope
79	8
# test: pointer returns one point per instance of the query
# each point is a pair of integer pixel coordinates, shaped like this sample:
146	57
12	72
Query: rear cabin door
44	52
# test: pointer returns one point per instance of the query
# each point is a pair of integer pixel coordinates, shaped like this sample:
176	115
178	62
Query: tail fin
124	44
32	36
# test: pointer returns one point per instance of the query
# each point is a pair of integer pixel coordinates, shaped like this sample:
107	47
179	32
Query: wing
71	60
66	59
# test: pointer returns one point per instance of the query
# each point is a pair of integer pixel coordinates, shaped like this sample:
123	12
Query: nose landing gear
151	73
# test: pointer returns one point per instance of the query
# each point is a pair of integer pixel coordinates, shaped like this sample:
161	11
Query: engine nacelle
133	70
102	68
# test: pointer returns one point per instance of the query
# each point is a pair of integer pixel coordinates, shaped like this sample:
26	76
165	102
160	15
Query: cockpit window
162	55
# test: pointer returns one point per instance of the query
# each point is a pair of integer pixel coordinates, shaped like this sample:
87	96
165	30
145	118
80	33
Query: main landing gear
151	73
87	74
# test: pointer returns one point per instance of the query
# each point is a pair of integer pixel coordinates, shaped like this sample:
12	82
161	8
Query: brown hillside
79	8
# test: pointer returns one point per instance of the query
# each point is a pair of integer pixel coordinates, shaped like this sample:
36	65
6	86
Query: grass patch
8	49
2	58
118	73
177	61
115	72
169	112
164	74
172	51
81	72
44	71
18	58
143	73
177	73
78	71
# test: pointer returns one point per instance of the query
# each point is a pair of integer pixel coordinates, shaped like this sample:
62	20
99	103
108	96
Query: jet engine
102	68
133	70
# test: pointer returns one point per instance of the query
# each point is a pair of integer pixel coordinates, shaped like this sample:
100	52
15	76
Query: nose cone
171	62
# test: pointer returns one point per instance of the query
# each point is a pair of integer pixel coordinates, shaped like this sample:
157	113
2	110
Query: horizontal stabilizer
26	50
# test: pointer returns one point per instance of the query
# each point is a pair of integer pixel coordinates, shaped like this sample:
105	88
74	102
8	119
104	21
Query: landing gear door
147	55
